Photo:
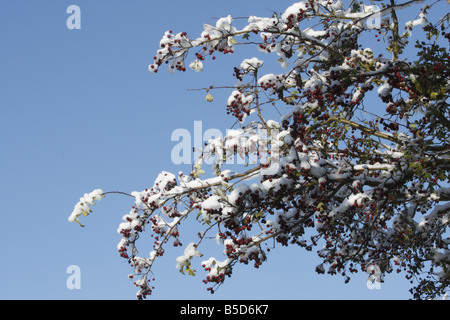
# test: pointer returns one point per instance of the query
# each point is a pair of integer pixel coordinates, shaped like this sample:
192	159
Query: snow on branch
357	162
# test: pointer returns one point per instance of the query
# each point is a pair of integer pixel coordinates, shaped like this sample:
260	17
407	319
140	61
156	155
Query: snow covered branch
357	163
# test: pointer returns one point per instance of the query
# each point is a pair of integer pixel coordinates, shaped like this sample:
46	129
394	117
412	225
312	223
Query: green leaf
259	214
433	96
416	165
320	206
191	272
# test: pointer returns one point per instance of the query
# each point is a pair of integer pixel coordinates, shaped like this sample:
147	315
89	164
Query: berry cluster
292	19
239	104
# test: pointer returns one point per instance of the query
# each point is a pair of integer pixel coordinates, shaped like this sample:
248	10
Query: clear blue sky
79	111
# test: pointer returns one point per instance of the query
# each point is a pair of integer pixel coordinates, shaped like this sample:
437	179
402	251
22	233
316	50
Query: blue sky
79	111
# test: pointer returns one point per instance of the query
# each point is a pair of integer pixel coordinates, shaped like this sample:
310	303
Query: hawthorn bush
357	169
